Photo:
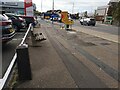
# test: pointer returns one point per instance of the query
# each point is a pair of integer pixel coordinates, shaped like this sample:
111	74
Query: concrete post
23	62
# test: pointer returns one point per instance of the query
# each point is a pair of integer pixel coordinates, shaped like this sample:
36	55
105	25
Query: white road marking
16	39
71	32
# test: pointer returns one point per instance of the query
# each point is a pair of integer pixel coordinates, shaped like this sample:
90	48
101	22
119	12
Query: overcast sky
79	5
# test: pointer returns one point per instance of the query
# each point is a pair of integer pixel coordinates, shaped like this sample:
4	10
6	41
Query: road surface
101	28
91	61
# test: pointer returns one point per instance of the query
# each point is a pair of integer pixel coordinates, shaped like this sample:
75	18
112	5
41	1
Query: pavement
107	36
48	70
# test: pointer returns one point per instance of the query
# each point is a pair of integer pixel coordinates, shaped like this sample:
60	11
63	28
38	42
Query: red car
18	22
6	30
29	19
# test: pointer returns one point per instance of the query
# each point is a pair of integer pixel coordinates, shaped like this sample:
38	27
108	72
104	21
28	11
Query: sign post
28	7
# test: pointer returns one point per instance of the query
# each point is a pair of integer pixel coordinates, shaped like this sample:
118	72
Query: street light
52	11
53	6
73	8
41	5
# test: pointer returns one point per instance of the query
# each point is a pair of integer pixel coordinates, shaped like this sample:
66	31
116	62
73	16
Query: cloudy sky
79	5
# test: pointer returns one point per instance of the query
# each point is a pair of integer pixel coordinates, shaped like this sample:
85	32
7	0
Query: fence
6	75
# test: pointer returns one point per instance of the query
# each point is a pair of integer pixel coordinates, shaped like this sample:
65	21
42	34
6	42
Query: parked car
6	30
88	21
29	19
54	17
18	22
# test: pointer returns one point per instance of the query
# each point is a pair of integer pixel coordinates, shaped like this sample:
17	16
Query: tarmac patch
105	43
71	32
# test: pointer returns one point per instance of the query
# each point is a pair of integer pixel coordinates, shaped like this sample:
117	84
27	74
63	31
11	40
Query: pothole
89	44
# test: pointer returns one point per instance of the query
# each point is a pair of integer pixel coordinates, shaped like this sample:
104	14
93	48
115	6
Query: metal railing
9	69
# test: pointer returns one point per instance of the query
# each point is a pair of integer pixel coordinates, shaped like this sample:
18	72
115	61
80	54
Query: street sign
28	7
65	18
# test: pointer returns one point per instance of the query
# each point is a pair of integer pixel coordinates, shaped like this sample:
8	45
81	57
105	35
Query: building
101	12
14	7
111	1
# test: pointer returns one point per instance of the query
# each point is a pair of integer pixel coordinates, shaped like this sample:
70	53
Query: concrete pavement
48	70
107	36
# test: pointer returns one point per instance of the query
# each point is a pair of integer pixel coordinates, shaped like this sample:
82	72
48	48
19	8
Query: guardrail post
32	36
23	62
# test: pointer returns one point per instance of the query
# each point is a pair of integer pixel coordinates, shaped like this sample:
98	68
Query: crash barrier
20	59
23	61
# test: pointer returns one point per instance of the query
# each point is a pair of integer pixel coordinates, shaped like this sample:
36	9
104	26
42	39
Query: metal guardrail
30	28
6	75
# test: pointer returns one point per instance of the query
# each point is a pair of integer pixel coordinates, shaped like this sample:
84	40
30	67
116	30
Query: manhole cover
105	43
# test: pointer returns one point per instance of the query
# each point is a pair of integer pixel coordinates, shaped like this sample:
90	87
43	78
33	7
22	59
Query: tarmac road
84	75
101	27
89	61
79	72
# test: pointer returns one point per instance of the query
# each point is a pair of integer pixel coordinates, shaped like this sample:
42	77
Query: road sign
28	7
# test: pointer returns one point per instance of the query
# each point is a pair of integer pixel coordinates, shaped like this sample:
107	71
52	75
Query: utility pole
41	5
53	6
52	11
73	8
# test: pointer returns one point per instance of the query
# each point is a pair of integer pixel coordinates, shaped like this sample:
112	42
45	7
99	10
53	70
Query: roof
114	0
102	7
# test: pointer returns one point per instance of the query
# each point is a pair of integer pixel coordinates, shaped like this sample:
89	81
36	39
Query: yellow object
65	18
47	17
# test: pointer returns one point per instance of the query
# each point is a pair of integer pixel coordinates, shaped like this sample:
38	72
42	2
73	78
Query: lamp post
53	6
52	11
41	5
73	8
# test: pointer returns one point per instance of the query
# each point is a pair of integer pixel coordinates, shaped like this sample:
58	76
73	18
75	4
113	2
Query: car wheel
88	24
81	23
85	24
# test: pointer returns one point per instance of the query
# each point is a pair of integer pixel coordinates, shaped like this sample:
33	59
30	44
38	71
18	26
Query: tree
37	13
114	11
112	8
85	14
116	14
